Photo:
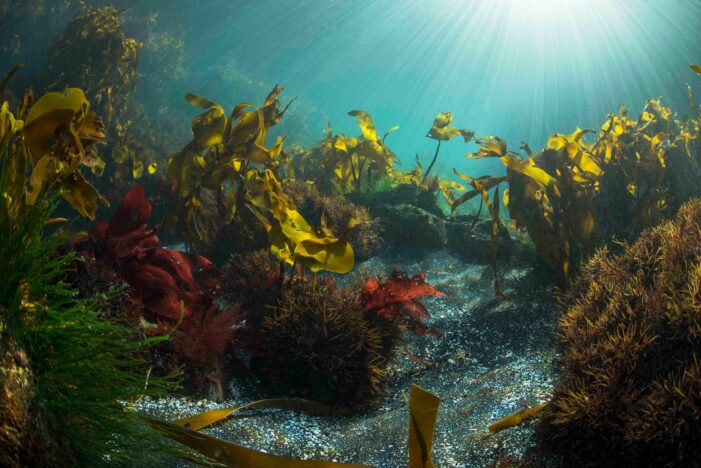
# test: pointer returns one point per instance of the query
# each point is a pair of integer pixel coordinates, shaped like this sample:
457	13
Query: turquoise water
520	69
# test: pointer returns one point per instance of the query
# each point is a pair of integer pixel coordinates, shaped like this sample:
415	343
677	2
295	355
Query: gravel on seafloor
494	358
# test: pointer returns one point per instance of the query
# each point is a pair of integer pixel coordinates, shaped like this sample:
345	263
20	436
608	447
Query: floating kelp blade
423	410
696	68
516	418
231	454
202	420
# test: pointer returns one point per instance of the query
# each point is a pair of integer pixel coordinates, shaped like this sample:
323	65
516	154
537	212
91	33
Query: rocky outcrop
411	218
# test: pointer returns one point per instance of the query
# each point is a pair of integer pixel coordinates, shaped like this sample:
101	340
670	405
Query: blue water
520	69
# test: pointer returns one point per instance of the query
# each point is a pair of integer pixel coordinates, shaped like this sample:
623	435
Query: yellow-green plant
211	171
574	194
342	163
292	238
229	160
47	144
443	130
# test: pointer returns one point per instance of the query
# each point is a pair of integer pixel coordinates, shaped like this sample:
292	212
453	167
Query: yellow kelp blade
423	410
81	195
207	128
696	68
393	129
443	130
8	124
488	184
526	167
318	254
202	420
44	170
48	113
235	455
137	170
367	126
516	419
490	146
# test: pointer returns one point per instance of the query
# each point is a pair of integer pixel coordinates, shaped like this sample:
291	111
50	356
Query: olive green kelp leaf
423	410
517	418
367	126
206	419
64	117
231	454
207	128
442	129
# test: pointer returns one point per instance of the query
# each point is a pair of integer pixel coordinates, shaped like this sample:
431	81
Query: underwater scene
350	233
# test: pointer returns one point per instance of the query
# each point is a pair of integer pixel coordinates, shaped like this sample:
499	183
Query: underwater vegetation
95	53
630	382
69	376
366	230
574	196
341	163
224	248
168	292
309	337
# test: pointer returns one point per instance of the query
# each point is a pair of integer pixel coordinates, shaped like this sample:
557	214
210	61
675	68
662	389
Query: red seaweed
397	297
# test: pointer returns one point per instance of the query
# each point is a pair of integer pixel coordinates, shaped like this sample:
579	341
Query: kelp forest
194	277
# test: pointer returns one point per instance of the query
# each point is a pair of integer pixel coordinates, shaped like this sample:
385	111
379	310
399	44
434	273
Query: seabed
494	359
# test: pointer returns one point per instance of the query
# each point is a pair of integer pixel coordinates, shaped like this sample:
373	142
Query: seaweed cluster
168	292
309	337
338	211
68	373
630	385
575	195
340	163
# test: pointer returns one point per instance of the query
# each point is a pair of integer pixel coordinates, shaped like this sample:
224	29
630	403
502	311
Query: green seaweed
87	370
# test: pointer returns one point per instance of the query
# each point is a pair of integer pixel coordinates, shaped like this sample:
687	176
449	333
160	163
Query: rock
16	394
407	225
474	240
400	195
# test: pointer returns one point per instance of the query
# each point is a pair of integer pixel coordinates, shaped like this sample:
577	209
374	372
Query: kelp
211	171
48	143
447	188
574	195
229	158
481	187
341	163
209	418
95	54
516	419
442	130
423	411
